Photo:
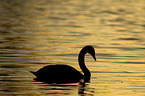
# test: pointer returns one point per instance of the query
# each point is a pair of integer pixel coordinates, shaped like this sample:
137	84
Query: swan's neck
81	60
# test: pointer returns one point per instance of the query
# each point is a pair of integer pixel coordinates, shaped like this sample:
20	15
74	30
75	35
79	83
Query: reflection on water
35	33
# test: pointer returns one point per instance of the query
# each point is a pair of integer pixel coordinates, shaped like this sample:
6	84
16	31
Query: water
35	33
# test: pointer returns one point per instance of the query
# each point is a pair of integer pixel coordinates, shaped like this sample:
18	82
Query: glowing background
34	33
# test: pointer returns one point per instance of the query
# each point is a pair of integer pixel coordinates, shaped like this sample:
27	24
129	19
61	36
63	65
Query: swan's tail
33	73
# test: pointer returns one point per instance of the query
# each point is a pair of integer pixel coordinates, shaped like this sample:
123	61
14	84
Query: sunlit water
35	33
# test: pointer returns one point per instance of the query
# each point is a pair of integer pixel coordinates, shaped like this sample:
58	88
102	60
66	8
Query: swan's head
89	49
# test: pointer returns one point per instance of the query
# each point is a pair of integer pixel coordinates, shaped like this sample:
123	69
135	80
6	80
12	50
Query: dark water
35	33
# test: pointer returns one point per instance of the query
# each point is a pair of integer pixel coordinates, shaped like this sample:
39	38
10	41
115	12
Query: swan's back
58	74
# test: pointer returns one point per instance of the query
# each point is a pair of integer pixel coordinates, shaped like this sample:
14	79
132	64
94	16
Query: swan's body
64	73
58	74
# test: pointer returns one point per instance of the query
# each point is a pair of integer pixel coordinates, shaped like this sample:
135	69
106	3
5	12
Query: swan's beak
94	57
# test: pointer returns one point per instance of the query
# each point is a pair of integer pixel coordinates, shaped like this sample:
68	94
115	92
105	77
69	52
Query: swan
64	73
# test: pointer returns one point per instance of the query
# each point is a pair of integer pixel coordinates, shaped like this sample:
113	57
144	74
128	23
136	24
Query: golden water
35	33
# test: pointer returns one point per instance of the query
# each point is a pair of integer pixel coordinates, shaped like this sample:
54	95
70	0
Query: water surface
36	33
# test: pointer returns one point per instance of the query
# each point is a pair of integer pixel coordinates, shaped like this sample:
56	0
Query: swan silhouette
65	73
